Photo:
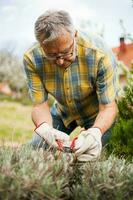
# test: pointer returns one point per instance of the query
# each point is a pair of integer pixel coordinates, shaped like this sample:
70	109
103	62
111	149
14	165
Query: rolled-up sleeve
36	88
107	80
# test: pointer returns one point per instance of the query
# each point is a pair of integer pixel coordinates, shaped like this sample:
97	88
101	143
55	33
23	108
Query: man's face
61	51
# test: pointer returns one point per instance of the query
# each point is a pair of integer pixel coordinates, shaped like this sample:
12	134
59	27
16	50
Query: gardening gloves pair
88	146
51	135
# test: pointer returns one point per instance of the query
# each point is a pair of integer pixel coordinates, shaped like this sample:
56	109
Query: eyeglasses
64	56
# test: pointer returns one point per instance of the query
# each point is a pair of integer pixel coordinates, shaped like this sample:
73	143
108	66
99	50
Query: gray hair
51	25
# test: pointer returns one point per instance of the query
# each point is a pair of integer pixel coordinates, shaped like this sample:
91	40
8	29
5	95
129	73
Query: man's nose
60	61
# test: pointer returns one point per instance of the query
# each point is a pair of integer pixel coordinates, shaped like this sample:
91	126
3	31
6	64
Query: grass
15	122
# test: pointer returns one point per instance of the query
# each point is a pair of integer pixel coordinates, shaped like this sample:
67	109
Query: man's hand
50	134
88	146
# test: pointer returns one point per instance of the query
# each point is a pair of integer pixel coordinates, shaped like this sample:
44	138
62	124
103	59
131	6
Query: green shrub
121	142
125	104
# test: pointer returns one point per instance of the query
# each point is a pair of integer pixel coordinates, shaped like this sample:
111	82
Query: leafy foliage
121	142
126	102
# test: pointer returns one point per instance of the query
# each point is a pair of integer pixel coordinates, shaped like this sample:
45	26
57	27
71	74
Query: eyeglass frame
64	56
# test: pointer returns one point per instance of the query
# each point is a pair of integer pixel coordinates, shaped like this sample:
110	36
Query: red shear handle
73	143
60	145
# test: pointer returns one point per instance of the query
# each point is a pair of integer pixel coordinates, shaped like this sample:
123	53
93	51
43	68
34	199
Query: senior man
80	72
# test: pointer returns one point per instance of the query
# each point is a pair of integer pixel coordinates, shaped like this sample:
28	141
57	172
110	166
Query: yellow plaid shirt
91	79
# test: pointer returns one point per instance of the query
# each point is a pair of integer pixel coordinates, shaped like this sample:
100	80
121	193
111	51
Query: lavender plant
29	174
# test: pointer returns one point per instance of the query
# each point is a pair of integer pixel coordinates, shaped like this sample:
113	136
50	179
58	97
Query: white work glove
50	134
88	146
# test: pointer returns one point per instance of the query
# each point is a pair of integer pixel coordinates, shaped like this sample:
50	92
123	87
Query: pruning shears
65	148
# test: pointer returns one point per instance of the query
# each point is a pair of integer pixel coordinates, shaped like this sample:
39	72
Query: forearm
106	117
41	113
